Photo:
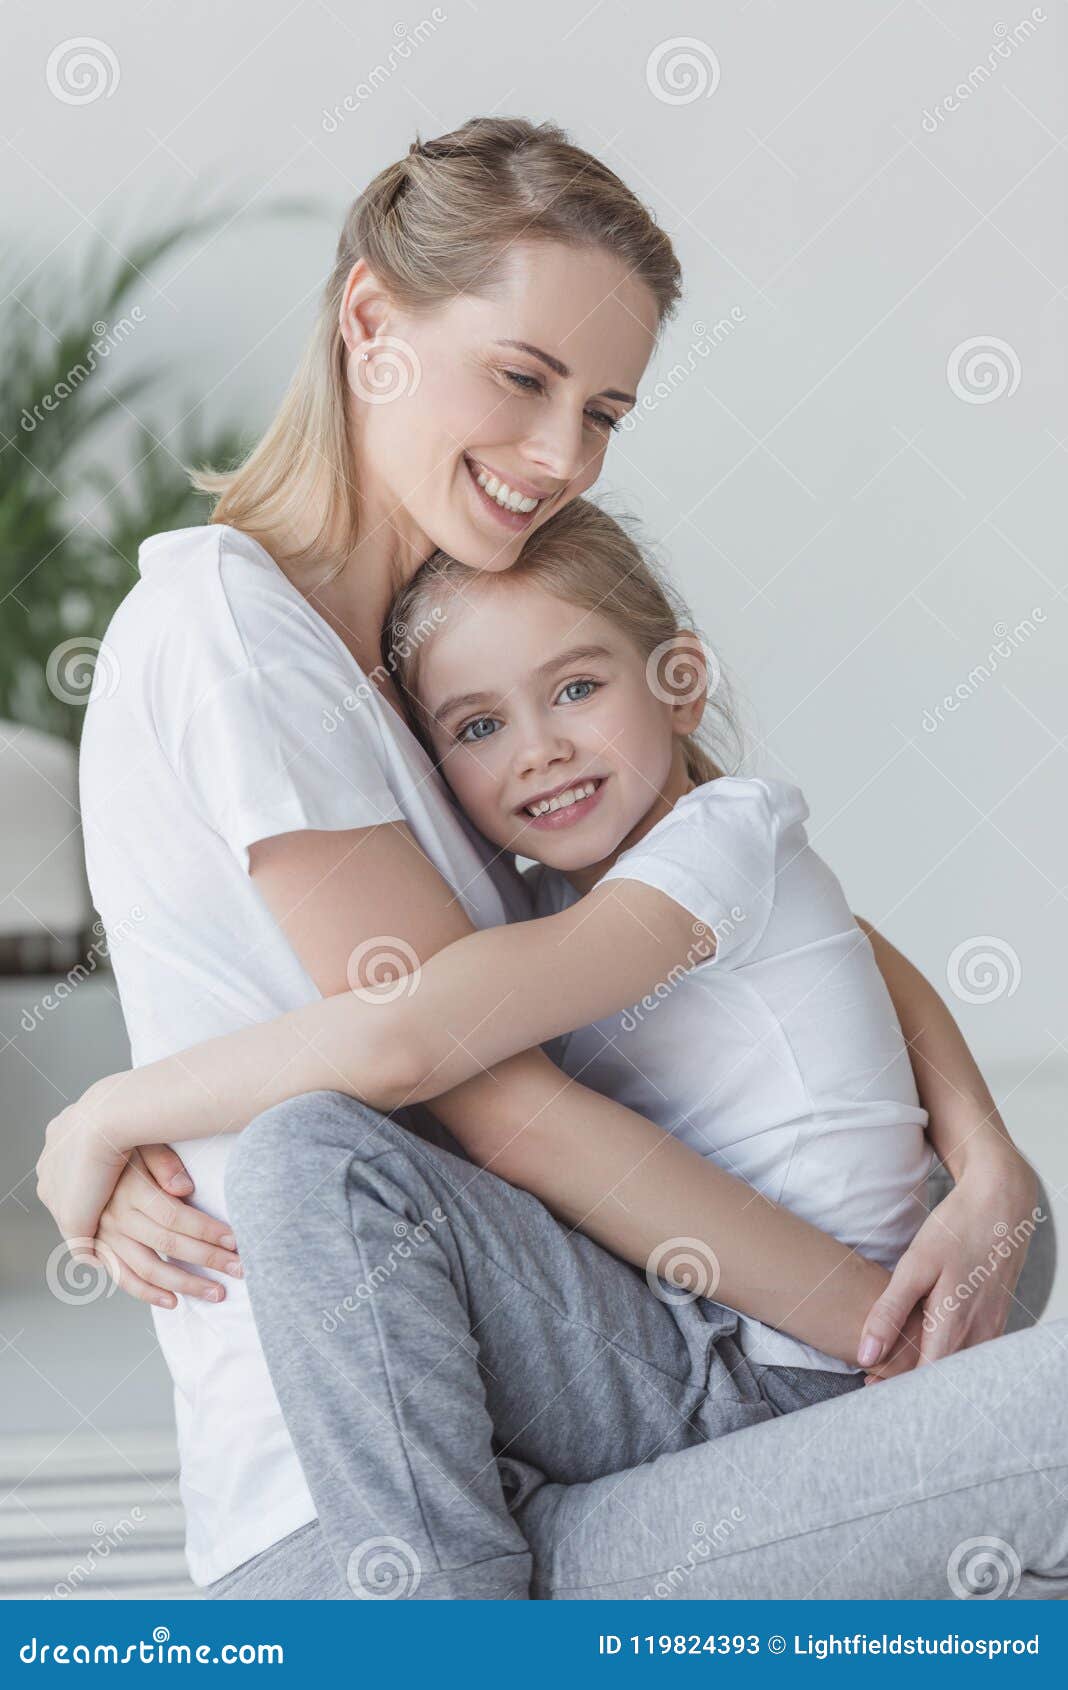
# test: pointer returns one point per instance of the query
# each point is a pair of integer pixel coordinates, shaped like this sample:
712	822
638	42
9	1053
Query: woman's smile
507	501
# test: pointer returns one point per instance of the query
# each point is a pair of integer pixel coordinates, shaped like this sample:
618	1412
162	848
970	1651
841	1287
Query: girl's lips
516	521
553	820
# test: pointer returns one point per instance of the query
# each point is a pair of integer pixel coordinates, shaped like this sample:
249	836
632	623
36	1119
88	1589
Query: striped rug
88	1517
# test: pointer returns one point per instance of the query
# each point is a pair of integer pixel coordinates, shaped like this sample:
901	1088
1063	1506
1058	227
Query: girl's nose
543	751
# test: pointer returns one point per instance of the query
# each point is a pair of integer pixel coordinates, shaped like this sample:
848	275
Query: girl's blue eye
591	687
469	733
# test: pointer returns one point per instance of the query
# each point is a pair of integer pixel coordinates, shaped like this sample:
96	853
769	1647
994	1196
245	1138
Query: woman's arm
589	1159
993	1196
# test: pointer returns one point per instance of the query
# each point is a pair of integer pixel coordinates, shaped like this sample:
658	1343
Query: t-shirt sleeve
261	754
715	855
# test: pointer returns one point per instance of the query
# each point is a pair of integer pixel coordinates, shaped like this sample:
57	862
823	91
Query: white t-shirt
225	710
781	1057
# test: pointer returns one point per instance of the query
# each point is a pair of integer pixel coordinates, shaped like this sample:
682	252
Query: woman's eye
603	420
528	383
473	730
573	693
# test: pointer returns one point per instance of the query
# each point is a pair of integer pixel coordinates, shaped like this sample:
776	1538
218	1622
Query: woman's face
524	386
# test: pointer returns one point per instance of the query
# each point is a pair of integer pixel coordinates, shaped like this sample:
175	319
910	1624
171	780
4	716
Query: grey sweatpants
486	1405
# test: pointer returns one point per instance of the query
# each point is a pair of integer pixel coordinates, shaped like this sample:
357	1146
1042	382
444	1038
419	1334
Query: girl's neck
676	786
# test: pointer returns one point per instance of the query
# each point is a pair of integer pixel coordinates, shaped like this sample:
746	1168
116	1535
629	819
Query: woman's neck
353	587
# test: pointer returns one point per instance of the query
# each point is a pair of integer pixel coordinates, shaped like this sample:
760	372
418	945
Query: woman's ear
365	308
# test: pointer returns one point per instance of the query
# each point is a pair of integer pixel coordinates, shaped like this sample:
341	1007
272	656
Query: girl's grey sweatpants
488	1405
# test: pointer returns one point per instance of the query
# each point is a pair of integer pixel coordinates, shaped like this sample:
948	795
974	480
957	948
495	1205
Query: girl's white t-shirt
225	710
781	1057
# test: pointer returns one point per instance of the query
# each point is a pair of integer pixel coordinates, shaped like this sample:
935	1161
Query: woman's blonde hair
585	557
435	224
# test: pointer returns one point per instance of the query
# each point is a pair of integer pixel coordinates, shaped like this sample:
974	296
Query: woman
483	1422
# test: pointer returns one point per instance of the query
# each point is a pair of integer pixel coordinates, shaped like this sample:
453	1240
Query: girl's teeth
503	494
563	800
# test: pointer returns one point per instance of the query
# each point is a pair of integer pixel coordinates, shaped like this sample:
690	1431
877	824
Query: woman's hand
146	1220
962	1266
77	1170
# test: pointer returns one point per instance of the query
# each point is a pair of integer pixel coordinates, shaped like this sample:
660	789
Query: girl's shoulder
746	803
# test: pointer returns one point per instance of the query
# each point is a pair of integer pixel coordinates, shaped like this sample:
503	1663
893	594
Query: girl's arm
963	1241
595	1163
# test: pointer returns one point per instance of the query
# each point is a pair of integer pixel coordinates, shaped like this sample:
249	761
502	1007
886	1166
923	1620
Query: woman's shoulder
215	593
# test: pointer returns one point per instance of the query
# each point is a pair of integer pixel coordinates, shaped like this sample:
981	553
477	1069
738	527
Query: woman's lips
553	820
515	521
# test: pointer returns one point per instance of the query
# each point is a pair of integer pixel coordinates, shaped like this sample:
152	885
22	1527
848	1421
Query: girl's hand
146	1220
962	1266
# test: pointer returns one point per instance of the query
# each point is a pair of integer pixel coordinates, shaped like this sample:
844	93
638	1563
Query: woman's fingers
167	1169
888	1316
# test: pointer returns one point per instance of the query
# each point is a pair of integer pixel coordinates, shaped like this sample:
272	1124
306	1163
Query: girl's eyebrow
562	370
472	700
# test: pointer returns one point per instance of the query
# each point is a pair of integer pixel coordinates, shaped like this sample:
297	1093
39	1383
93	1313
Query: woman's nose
559	447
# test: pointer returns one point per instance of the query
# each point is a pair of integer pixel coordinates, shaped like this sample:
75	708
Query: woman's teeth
563	800
504	494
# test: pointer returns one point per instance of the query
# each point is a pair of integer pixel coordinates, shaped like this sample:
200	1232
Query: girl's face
529	698
524	385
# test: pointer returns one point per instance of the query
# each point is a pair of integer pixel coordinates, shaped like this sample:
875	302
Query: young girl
697	956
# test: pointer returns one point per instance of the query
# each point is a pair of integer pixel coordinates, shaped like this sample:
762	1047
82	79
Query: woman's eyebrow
562	370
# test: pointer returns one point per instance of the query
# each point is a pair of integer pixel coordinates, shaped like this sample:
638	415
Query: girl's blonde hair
585	557
435	224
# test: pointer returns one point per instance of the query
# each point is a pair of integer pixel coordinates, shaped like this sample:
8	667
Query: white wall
850	530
